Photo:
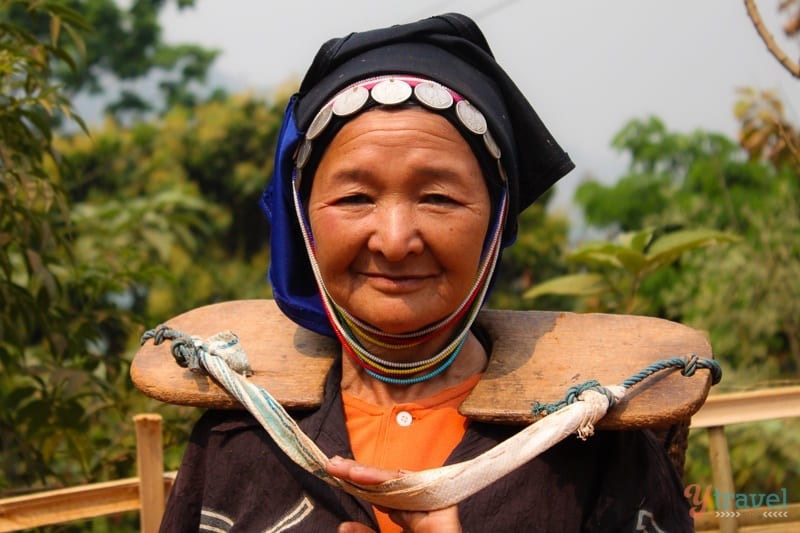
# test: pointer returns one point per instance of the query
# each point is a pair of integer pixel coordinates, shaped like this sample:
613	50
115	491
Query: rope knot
184	349
689	365
573	395
189	351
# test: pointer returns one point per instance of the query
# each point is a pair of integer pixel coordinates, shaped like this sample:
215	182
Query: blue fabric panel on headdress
293	285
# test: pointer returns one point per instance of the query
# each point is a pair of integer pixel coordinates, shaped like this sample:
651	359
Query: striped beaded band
389	91
391	371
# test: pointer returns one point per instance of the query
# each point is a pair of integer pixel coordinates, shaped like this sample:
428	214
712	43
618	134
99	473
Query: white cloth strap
428	489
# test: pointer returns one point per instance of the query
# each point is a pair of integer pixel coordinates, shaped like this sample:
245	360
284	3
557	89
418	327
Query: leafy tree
743	294
616	270
666	174
122	55
100	238
217	157
153	225
34	235
706	180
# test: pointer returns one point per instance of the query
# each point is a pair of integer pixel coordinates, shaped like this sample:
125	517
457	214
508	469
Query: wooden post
150	462
723	477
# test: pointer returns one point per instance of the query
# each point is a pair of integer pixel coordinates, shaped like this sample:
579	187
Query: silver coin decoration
491	145
433	95
319	123
391	92
471	117
303	153
350	101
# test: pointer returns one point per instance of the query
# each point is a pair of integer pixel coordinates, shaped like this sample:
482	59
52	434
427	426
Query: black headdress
449	49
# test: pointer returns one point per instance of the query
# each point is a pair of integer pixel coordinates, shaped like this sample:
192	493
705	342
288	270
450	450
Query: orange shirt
408	436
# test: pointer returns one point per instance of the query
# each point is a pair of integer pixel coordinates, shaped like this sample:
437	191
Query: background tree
101	237
703	180
35	257
745	294
122	55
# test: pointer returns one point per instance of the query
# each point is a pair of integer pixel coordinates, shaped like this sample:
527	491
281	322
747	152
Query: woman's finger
439	521
359	473
354	527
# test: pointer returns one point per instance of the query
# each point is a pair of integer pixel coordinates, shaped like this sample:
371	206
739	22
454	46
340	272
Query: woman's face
399	211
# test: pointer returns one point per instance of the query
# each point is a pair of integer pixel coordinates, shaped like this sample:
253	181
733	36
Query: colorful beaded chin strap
389	91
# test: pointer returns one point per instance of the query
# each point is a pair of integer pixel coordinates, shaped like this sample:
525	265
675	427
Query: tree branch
769	40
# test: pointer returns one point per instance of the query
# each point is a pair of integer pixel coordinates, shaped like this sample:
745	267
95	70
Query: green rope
688	366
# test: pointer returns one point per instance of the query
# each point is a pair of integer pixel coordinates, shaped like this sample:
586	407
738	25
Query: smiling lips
396	282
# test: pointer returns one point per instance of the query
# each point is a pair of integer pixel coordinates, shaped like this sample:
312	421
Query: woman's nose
396	233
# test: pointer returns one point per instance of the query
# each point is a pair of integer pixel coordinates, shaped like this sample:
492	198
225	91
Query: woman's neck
356	382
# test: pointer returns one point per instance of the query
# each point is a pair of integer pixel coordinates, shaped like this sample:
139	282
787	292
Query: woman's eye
438	199
354	199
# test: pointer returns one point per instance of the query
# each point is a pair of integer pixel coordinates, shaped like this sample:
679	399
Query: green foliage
119	46
632	198
35	257
616	270
666	171
747	297
100	238
28	100
191	183
744	295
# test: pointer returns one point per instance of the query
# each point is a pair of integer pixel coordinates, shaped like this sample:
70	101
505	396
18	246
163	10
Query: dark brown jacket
234	478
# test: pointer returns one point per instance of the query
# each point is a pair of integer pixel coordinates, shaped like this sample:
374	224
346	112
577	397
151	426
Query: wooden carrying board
536	356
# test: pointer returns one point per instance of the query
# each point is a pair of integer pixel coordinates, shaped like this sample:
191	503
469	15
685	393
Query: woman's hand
439	521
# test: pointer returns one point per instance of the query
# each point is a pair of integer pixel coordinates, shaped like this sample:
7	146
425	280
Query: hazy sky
587	66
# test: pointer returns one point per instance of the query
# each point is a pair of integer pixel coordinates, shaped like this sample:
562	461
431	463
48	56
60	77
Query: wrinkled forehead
404	148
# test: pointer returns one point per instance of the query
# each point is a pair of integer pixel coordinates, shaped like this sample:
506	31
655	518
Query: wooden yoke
536	357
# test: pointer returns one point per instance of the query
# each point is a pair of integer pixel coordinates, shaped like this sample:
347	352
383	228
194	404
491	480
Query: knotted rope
429	489
688	366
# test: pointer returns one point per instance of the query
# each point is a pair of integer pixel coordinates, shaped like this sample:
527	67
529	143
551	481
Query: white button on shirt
404	418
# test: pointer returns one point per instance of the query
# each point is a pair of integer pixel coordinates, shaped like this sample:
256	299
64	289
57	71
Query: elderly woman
402	164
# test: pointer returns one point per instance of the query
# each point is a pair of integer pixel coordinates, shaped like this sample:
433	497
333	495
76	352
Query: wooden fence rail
144	494
75	503
727	409
147	492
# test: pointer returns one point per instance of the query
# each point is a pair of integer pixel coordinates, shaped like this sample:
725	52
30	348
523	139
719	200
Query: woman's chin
398	320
